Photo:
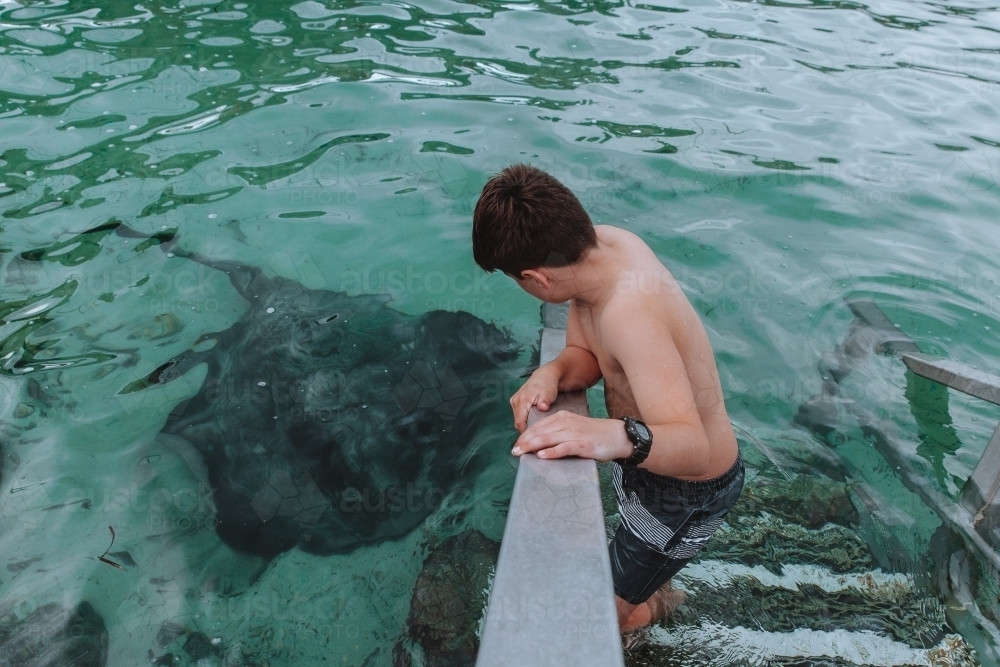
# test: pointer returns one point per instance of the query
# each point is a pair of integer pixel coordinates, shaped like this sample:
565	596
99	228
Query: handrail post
976	519
552	601
979	495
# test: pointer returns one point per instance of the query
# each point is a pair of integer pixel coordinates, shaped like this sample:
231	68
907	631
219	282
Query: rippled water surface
779	156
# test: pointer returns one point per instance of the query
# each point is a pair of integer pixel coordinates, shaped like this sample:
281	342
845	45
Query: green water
778	156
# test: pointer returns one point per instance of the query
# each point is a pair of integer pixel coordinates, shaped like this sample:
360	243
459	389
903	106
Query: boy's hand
569	434
540	390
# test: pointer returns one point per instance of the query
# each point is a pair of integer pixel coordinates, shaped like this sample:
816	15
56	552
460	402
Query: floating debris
107	560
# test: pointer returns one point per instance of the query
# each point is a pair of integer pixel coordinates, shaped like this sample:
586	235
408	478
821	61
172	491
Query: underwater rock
654	655
900	612
198	646
448	600
811	501
190	647
51	636
328	421
770	541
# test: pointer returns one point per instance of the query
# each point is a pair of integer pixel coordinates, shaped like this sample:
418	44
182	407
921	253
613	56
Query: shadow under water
309	436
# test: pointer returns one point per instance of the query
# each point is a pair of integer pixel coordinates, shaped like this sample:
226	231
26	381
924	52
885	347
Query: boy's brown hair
525	219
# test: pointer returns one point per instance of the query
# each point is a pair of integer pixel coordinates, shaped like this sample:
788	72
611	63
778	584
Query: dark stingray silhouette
329	421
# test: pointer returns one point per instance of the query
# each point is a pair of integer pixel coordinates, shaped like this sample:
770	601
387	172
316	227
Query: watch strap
640	446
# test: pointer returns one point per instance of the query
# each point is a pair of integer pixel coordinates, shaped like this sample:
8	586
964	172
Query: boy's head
526	219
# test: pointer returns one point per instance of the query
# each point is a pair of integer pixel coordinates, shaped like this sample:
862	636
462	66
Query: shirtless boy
677	469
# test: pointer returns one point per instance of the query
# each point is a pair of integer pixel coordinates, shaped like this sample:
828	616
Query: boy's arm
576	364
658	380
664	393
573	369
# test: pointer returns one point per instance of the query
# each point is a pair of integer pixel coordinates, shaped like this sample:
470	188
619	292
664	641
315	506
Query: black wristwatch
642	441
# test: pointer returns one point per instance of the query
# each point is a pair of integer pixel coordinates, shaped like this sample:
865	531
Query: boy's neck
592	279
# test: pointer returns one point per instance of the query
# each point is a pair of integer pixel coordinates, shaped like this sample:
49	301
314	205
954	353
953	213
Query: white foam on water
503	73
302	86
195	124
41	305
876	583
421	80
755	647
723	223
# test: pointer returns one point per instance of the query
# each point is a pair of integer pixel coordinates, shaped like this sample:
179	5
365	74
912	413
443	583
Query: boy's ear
540	275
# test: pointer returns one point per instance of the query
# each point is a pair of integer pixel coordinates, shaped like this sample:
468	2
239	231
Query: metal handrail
552	600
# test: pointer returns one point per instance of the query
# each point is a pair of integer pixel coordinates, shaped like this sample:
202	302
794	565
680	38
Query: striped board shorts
665	522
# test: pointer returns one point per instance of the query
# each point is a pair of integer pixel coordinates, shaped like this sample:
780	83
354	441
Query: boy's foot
664	602
633	638
659	606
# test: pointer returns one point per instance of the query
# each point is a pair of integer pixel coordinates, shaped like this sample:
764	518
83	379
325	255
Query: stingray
328	421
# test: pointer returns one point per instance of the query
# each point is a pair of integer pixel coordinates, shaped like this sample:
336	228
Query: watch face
643	432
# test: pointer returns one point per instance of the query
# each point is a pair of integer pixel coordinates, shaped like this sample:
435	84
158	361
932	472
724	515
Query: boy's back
644	314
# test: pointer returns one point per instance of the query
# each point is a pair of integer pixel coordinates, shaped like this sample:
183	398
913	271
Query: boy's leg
685	516
658	607
626	612
641	576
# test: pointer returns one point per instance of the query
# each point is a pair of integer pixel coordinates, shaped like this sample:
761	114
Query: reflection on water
778	156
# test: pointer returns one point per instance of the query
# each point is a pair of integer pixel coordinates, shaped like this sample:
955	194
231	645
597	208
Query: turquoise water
778	156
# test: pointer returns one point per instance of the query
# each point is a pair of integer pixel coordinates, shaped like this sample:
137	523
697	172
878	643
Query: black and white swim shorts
665	522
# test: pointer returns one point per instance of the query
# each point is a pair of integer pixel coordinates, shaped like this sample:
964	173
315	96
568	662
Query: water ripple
778	155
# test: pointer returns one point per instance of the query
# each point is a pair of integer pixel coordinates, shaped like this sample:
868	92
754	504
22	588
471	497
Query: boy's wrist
622	445
550	372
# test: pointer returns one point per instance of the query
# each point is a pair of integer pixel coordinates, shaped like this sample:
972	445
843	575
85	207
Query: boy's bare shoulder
637	310
646	294
611	233
634	253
